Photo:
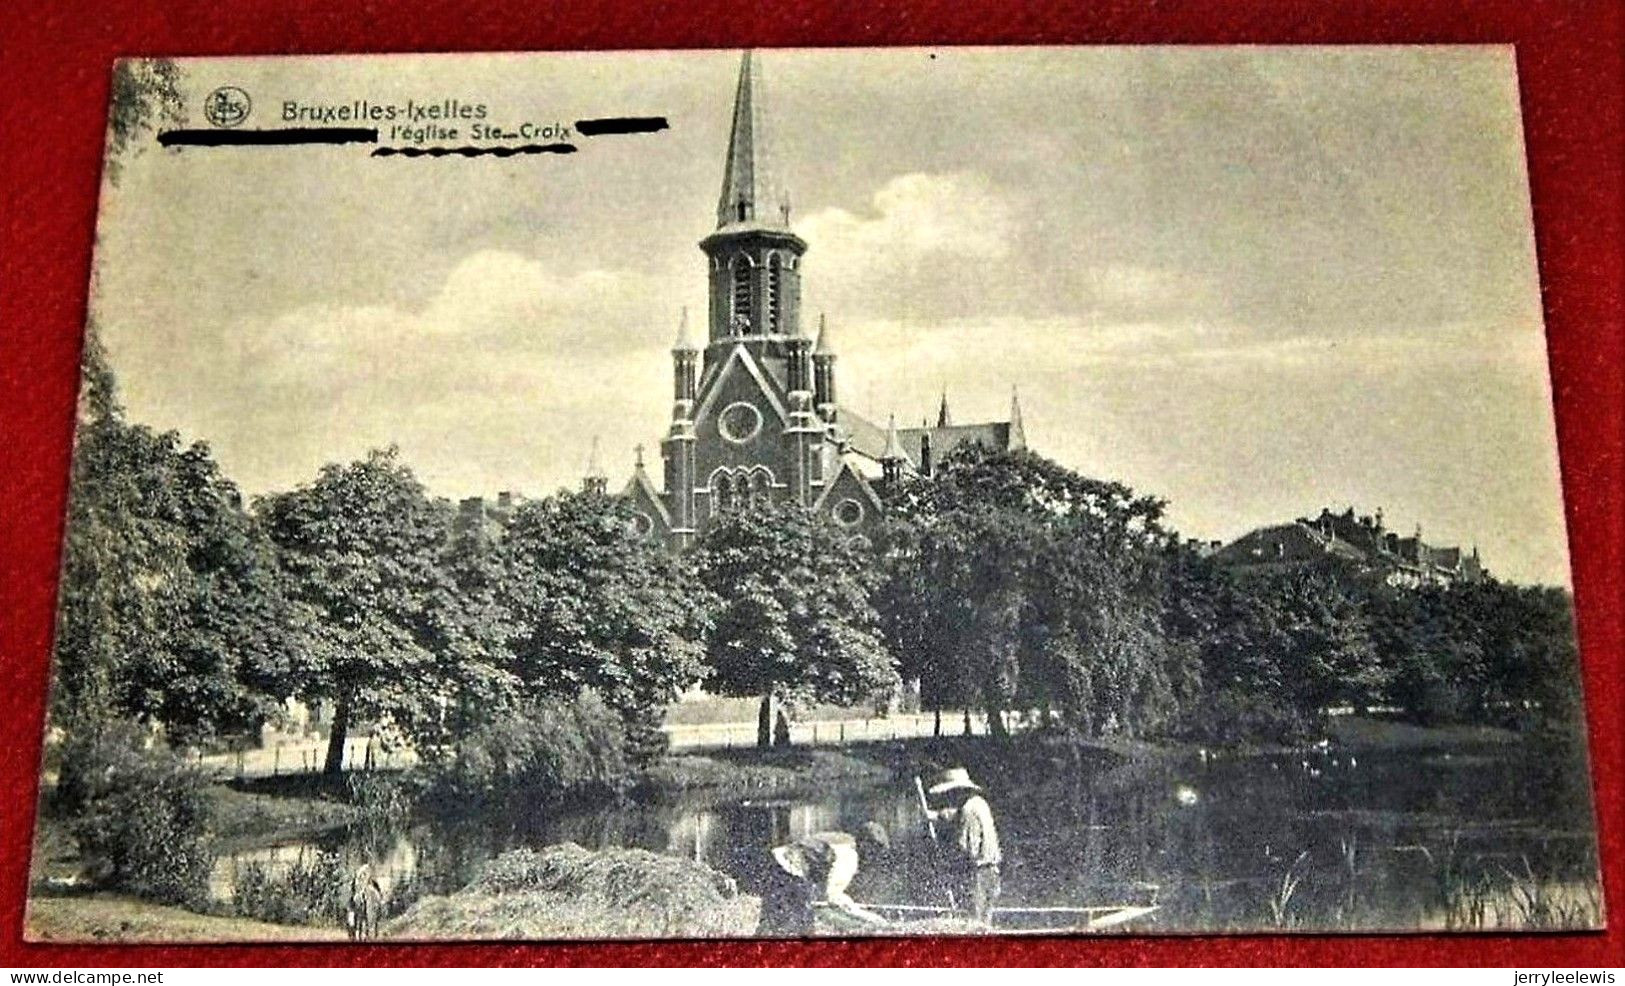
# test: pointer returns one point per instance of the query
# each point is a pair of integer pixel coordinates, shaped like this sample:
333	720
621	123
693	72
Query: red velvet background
56	59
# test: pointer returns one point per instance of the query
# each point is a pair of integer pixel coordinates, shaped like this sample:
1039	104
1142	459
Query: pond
1470	836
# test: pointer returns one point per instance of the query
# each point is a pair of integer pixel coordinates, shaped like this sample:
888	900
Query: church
756	413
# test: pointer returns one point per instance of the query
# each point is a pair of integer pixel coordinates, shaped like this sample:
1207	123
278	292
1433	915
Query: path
305	755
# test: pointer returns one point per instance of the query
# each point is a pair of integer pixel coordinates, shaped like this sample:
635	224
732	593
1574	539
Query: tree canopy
172	604
590	604
791	611
1012	582
362	548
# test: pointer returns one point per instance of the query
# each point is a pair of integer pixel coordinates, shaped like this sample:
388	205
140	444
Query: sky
1252	281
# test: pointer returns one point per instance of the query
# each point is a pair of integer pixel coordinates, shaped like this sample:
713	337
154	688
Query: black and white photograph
791	493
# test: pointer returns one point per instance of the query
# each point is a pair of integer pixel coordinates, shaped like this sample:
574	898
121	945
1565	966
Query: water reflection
1317	840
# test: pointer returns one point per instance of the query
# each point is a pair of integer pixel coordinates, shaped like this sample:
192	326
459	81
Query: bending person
817	869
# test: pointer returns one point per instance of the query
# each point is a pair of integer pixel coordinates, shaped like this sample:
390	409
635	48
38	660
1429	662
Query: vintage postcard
797	493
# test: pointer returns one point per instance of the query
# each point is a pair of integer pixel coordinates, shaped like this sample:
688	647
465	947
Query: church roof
866	438
869	439
992	434
749	197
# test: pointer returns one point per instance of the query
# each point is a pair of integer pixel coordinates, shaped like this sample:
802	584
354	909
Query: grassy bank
278	808
1371	733
112	917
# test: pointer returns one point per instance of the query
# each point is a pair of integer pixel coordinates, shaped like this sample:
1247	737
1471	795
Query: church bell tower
754	259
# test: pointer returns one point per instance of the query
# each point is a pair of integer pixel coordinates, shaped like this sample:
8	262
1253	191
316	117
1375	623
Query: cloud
918	216
893	365
487	385
935	240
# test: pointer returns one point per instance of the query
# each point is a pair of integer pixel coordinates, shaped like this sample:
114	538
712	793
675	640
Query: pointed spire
894	448
595	467
747	193
1018	434
944	417
594	481
825	345
637	457
685	342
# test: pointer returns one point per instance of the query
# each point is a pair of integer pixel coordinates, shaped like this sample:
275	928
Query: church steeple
944	418
755	260
748	192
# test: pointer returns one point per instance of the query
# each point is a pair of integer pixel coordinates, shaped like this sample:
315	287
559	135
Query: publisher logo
227	106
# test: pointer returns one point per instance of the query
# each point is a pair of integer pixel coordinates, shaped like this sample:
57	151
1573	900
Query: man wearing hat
974	843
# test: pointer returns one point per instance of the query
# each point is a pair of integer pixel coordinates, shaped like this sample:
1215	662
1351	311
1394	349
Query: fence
365	753
826	732
304	757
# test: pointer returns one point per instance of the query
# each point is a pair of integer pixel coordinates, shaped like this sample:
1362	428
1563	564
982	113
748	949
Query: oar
931	826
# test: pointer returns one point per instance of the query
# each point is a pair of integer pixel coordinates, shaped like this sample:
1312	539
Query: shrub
546	751
310	889
1231	716
646	742
141	817
382	803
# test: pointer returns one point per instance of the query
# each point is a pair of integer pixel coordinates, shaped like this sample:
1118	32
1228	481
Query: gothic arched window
722	498
741	291
770	315
761	488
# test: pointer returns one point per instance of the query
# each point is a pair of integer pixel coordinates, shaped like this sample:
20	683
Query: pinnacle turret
825	345
894	448
685	341
1018	435
595	481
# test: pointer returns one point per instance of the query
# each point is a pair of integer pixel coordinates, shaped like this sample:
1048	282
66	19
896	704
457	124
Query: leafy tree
592	605
1532	656
1479	652
476	680
1433	648
172	610
362	547
1012	580
1303	639
792	617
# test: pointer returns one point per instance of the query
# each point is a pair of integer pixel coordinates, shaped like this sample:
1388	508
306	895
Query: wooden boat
1028	920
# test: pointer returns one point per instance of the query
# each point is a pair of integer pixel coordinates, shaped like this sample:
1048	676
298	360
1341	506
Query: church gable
849	500
740	378
741	417
650	518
